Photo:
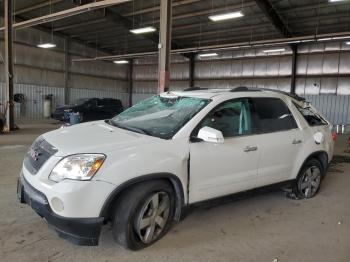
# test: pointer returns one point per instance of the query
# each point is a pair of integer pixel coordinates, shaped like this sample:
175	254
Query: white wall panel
330	64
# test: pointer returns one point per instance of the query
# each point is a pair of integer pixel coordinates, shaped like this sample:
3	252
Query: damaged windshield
160	116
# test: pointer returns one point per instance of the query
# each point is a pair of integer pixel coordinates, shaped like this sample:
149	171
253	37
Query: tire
309	180
2	124
136	215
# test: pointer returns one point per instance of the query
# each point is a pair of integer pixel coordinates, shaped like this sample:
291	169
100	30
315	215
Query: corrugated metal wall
40	72
335	108
35	95
34	102
323	74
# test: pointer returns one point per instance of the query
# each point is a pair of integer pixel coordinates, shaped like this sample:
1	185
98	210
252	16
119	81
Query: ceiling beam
157	8
65	13
248	29
191	13
36	6
64	36
237	38
85	23
320	18
270	13
230	46
311	6
129	24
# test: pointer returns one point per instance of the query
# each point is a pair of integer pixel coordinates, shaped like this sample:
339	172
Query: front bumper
80	231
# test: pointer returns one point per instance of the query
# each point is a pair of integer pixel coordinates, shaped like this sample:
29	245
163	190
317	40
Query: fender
323	157
173	179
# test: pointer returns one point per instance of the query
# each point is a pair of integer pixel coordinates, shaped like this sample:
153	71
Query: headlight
77	167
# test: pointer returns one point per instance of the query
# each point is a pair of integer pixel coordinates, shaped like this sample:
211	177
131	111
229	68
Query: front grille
39	152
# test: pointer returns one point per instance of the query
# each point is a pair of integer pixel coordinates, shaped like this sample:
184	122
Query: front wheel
143	215
309	180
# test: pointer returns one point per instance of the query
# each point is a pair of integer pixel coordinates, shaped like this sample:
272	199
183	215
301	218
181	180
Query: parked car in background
90	109
140	169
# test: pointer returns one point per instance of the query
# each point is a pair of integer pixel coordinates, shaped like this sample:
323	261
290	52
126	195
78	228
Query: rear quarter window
311	117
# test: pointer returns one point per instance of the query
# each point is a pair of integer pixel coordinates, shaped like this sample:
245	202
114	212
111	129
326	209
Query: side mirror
209	134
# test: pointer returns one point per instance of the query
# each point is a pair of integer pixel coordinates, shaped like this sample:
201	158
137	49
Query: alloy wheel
310	181
153	217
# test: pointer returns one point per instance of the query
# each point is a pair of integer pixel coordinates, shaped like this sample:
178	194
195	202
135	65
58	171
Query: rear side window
271	115
311	117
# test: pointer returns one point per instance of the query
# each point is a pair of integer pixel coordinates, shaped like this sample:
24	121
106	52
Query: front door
222	169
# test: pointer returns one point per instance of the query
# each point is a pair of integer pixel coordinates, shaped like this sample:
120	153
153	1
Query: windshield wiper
130	128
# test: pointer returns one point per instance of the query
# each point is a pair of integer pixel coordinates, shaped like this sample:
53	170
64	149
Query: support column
191	69
294	67
164	45
8	11
131	82
66	71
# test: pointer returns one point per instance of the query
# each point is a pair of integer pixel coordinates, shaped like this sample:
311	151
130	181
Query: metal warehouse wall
40	72
323	74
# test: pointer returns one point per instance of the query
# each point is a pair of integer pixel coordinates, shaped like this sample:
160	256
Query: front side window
232	118
161	116
272	115
311	117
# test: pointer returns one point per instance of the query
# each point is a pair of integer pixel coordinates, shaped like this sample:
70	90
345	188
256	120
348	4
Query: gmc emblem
34	154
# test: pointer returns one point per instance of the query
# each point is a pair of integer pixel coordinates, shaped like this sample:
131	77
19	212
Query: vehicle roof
240	92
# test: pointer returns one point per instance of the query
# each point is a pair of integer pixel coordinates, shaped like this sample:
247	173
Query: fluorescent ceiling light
47	45
348	43
225	16
274	50
121	62
143	30
332	1
208	55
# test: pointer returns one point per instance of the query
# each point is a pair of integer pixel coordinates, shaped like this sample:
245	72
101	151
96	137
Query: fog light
57	204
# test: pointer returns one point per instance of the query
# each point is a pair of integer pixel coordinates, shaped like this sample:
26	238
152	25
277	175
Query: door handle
250	148
296	141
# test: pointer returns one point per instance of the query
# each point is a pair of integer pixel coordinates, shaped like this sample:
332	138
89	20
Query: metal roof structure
108	29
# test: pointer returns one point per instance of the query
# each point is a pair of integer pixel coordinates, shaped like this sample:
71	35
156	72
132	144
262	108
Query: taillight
334	135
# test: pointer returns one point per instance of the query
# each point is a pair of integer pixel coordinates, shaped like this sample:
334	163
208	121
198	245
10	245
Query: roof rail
256	89
195	88
245	89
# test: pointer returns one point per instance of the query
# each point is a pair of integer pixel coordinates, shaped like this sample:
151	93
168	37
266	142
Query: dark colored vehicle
90	109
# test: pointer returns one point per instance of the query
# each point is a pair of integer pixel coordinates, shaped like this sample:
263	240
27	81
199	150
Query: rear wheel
143	215
309	180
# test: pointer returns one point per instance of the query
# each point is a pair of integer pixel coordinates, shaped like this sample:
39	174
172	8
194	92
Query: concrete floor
266	227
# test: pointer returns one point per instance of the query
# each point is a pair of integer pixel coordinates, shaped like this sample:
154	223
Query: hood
94	137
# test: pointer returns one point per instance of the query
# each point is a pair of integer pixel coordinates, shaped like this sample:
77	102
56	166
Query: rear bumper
80	231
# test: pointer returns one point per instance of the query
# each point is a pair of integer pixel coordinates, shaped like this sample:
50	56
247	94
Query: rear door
279	139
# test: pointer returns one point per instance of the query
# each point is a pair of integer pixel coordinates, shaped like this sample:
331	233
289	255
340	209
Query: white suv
141	168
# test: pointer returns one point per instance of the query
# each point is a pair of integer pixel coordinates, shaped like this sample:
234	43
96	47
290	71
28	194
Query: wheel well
113	198
321	156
